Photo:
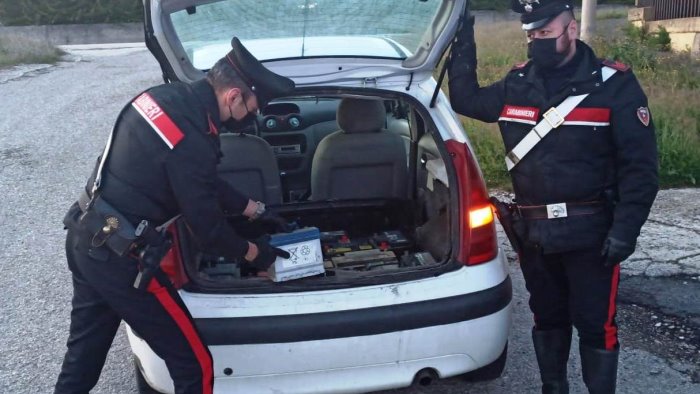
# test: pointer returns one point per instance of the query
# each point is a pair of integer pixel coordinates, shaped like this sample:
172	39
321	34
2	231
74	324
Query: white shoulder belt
552	119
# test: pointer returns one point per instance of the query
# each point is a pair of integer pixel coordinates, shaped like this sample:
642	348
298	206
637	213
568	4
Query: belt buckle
553	118
556	211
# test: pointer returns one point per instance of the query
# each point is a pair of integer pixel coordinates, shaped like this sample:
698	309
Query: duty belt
560	210
123	235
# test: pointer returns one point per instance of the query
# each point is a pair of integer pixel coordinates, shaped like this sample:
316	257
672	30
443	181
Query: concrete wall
684	32
77	34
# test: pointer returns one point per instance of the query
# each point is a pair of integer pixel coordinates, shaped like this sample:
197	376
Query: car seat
250	165
361	160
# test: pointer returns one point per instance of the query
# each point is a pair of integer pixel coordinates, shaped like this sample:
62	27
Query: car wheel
491	371
141	383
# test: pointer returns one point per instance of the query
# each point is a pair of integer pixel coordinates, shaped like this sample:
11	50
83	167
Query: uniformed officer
584	180
162	162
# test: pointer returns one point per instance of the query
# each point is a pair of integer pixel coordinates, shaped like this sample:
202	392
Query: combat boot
599	368
552	350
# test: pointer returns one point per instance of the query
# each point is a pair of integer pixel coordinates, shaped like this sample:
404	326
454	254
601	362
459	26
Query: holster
507	215
106	224
150	258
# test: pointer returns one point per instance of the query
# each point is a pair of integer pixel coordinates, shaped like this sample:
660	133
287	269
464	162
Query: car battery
305	256
364	259
391	240
336	243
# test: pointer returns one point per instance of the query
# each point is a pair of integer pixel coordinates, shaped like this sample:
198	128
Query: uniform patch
166	129
518	114
520	65
619	66
643	115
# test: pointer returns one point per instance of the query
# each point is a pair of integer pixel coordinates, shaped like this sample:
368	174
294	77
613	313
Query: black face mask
543	52
248	124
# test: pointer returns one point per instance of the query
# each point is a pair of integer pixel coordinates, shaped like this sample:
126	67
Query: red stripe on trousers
610	329
185	325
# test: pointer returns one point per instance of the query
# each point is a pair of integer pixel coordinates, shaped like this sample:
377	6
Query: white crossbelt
553	118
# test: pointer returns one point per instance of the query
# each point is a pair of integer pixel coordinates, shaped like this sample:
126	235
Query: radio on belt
306	258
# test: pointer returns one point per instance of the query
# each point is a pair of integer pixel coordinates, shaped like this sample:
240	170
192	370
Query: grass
19	50
671	82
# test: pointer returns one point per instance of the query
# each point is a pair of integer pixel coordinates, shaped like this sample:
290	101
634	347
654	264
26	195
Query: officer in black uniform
161	163
582	191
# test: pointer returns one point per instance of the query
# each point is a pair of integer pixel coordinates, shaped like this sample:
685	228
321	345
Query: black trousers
573	288
103	295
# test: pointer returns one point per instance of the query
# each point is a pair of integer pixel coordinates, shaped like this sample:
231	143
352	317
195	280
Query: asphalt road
53	123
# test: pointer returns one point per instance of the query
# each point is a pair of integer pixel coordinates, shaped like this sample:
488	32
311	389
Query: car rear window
305	28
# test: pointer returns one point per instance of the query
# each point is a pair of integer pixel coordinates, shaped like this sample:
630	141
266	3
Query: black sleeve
636	160
466	96
191	169
231	200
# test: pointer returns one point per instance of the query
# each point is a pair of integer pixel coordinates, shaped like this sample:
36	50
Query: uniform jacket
163	162
606	148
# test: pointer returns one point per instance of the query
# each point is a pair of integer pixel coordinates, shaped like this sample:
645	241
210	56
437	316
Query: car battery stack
379	251
306	258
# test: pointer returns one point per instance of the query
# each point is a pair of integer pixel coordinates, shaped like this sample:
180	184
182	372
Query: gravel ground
53	123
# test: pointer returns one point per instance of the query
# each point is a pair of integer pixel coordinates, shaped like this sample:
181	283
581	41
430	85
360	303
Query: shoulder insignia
643	115
619	66
161	123
520	65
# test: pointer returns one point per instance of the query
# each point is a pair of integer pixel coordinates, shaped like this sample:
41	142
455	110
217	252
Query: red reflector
172	262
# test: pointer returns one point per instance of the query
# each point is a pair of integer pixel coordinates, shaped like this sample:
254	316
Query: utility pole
588	20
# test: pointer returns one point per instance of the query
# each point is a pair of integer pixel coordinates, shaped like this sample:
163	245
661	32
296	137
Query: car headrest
361	115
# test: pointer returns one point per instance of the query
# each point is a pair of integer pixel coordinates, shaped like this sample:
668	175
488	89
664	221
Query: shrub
51	12
15	50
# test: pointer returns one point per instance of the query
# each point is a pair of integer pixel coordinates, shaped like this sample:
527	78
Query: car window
304	28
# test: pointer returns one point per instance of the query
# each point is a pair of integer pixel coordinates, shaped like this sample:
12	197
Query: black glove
615	251
462	63
465	33
274	223
266	253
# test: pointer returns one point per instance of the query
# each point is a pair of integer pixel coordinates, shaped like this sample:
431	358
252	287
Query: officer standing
160	162
583	162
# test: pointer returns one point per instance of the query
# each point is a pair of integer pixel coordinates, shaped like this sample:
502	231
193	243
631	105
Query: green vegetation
51	12
670	80
21	50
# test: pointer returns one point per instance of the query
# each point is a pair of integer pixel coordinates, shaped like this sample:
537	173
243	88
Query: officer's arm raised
466	97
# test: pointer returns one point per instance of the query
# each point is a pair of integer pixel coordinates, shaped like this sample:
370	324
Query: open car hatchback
368	159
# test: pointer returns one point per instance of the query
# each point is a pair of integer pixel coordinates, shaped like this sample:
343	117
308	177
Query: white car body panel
384	361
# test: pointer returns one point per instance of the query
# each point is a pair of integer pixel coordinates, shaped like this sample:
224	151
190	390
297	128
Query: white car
368	152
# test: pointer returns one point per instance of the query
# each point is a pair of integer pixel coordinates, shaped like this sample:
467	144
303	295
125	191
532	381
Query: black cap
264	83
537	13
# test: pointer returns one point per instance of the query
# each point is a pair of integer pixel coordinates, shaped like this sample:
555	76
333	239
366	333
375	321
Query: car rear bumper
326	349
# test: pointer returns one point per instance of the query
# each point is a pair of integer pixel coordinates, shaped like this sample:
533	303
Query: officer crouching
582	156
160	164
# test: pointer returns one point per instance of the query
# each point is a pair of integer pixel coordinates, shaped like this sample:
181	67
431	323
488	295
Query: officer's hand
267	254
274	223
465	33
615	251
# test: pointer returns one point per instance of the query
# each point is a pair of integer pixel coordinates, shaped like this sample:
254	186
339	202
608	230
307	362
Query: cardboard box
306	259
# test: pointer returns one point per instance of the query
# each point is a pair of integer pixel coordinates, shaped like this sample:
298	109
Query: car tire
141	383
489	372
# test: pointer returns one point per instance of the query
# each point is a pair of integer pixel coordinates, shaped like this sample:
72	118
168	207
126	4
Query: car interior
366	171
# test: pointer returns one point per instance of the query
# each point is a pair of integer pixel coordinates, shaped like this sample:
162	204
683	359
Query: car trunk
364	241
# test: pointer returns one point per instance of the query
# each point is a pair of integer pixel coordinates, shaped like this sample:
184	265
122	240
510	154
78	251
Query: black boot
552	350
599	369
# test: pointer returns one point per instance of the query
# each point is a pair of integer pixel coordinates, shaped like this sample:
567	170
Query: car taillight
478	242
172	262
